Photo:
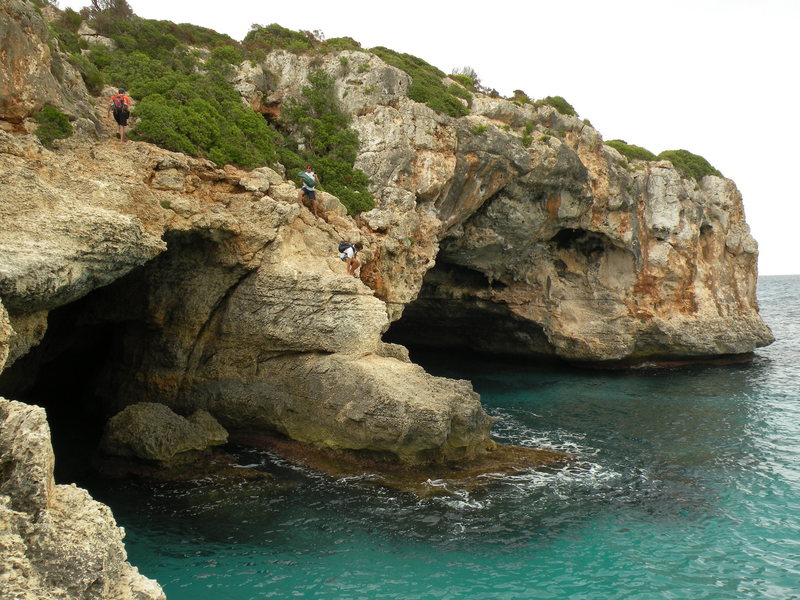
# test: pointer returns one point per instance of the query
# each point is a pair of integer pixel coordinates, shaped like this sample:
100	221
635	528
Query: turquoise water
688	487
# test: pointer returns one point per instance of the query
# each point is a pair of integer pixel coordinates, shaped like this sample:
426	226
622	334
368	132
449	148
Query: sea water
687	486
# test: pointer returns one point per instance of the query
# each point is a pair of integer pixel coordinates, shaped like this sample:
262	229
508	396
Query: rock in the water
358	402
151	431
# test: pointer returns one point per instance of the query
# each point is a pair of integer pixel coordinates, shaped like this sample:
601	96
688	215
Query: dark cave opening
586	243
105	350
67	375
456	310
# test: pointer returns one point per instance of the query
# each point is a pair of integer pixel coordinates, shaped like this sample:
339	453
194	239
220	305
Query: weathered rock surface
31	75
166	279
55	541
151	431
373	403
575	251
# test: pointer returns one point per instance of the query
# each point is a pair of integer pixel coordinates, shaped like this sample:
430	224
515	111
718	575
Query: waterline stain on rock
423	481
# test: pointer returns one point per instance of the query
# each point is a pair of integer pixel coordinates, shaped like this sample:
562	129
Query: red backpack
118	102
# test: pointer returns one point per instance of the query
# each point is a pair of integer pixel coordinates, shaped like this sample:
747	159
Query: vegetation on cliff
53	125
329	143
180	77
689	165
631	150
426	82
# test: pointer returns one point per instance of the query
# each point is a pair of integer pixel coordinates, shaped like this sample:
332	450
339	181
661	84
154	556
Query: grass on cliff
690	166
557	102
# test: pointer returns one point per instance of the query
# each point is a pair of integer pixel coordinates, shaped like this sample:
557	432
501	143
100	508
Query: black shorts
312	195
121	117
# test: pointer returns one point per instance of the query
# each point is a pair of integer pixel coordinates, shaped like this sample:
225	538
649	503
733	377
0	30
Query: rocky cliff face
513	230
133	275
55	541
562	247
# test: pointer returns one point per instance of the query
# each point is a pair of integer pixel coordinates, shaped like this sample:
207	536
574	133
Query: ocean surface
687	487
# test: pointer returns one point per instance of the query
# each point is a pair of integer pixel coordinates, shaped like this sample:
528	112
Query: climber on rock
310	181
347	252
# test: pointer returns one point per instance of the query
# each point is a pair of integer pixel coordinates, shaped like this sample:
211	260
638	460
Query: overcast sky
716	77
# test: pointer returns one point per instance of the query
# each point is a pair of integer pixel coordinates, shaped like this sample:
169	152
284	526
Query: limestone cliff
55	541
513	229
129	274
551	245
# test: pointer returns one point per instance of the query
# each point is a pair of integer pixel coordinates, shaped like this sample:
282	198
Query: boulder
152	432
371	403
56	542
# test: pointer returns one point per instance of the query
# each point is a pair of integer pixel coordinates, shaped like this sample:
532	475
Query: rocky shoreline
131	276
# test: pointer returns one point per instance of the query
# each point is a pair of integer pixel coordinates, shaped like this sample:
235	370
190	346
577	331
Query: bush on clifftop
689	165
557	102
426	86
630	150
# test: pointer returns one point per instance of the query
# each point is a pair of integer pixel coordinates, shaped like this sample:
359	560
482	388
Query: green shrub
53	125
342	43
426	82
465	80
71	20
689	165
456	90
527	140
329	143
89	72
478	129
557	102
68	41
190	109
275	37
631	151
520	97
228	55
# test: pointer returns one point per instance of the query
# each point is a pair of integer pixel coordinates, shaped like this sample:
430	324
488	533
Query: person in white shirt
348	255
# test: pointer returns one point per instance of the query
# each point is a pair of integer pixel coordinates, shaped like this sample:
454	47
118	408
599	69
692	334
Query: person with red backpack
120	105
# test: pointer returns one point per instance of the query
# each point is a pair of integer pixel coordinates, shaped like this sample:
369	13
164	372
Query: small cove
687	485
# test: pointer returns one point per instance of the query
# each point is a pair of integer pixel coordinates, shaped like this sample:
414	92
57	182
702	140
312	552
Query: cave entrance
457	310
67	375
109	348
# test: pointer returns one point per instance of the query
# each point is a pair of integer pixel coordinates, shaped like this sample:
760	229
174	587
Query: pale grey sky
716	77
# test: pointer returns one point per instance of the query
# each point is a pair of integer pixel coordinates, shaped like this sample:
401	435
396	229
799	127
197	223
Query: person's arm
316	178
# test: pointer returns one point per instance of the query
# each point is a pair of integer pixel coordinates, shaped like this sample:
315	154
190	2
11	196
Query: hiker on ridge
310	181
120	105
